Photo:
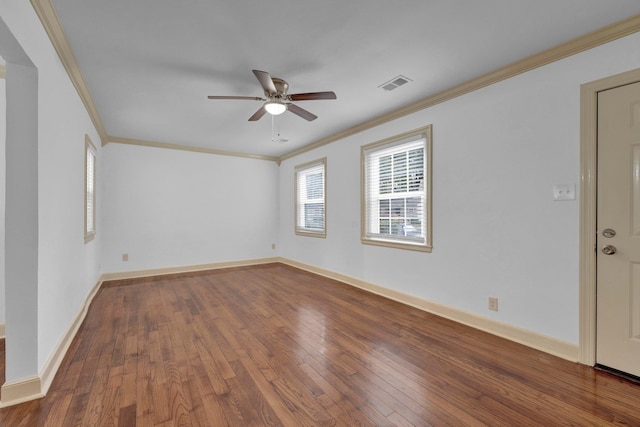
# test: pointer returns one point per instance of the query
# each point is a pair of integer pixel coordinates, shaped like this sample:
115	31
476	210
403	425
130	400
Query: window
310	188
396	189
89	193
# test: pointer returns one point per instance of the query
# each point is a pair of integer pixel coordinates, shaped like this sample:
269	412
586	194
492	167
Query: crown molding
49	19
143	143
3	72
588	41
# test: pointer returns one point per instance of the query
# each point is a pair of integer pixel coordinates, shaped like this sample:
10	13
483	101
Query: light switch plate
564	192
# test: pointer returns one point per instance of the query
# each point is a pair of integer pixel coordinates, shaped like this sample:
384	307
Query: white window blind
90	198
310	198
396	200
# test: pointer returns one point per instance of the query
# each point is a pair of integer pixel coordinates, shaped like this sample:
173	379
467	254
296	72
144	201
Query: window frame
406	138
298	170
89	149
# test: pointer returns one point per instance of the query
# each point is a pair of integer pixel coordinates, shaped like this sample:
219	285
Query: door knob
609	250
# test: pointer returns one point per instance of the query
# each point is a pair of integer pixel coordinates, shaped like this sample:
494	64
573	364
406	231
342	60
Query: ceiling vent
395	83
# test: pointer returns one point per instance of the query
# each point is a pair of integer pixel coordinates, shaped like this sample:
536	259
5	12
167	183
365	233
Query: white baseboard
50	367
186	269
21	391
32	388
2	331
540	342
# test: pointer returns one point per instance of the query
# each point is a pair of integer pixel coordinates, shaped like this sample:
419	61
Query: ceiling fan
276	100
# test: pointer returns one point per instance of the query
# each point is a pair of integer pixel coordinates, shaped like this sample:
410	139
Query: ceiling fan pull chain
273	128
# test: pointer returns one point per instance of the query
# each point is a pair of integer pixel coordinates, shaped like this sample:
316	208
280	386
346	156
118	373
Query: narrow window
396	181
90	193
310	189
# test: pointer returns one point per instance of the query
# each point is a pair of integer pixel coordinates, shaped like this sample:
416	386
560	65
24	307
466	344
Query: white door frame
588	206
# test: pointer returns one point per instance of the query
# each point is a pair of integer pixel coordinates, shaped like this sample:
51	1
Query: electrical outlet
273	246
564	192
125	257
493	303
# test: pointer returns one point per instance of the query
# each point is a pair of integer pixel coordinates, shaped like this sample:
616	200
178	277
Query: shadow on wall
3	134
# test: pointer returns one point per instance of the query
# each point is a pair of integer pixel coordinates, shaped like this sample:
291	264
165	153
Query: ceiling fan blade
301	112
250	98
258	114
265	81
312	96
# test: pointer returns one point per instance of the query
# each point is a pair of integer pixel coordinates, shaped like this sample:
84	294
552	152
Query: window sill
322	235
397	245
89	237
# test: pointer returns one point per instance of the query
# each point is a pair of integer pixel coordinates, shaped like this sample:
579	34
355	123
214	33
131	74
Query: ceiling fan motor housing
281	88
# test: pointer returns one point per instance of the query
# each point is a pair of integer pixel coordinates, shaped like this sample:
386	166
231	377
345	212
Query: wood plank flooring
275	346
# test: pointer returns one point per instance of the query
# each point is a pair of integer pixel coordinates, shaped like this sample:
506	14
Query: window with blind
396	189
310	189
90	193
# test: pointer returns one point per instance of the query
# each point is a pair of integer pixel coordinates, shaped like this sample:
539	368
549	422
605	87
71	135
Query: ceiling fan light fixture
275	108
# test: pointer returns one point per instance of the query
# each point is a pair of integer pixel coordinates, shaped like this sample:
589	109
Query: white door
618	218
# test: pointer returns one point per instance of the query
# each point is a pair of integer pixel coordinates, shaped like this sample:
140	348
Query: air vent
395	83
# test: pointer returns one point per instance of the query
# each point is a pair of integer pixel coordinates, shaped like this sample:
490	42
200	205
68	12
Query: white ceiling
150	64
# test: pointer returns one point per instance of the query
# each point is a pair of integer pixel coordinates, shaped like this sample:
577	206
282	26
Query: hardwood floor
275	346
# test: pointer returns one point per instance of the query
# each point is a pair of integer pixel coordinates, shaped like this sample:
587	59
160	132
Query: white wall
496	230
66	268
167	208
3	134
21	220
